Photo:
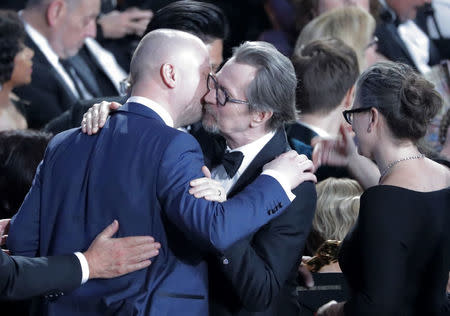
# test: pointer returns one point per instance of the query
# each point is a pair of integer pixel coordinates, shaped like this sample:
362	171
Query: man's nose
210	97
91	29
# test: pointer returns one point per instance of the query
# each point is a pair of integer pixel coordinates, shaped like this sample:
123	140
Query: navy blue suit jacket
136	170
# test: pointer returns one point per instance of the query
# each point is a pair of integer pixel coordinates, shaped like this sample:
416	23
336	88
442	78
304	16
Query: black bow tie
231	161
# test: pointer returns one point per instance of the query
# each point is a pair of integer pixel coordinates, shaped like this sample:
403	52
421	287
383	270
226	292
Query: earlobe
261	117
168	75
54	12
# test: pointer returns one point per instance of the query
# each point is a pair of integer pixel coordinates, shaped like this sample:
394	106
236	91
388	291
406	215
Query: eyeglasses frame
346	113
217	86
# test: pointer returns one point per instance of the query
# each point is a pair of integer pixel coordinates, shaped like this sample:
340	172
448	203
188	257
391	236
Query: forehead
236	76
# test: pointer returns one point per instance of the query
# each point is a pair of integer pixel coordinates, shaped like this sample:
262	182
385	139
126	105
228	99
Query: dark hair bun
419	102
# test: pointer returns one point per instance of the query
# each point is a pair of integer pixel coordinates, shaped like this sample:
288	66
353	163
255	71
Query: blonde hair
337	207
353	25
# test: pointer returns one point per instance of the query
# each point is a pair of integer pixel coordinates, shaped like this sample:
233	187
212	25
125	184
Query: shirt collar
161	111
251	150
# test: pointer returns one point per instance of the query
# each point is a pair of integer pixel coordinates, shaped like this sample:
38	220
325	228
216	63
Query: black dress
397	258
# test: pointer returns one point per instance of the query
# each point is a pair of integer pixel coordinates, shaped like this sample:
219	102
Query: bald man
137	170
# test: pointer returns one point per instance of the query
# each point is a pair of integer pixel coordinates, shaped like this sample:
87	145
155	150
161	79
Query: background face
76	25
23	67
406	9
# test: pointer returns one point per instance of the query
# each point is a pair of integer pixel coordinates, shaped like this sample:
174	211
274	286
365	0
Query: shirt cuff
282	181
84	267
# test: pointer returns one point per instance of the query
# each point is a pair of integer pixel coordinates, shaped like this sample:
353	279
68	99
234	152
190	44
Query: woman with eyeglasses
397	257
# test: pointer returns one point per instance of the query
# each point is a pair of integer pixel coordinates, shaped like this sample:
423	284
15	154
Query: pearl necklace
392	164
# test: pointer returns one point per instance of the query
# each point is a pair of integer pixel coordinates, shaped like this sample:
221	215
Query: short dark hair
20	153
12	35
326	70
273	88
407	101
205	20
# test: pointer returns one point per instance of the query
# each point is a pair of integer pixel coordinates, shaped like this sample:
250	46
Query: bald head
165	46
171	67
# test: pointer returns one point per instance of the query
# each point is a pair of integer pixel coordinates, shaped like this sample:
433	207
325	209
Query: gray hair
273	88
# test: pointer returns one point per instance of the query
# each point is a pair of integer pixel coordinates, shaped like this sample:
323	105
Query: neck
244	138
5	93
388	153
34	19
329	122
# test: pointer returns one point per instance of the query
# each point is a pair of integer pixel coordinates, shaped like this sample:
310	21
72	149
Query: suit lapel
276	146
397	39
39	58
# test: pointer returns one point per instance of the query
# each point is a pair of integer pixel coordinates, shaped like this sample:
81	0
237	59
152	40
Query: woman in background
15	70
397	257
353	25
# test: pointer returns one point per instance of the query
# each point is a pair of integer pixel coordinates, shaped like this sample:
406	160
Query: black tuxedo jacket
391	45
257	275
300	137
92	74
48	94
22	277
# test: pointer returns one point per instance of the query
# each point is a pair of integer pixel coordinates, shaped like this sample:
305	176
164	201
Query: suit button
225	261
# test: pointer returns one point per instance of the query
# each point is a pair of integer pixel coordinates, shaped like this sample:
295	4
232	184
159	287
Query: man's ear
168	75
260	117
348	98
56	10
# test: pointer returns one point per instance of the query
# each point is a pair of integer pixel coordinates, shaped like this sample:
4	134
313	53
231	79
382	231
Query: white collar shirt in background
51	56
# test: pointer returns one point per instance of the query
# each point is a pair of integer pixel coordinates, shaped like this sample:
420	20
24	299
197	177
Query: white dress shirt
418	44
51	56
249	151
84	267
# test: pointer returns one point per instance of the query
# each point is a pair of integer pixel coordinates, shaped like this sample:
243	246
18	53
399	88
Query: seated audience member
353	25
396	257
401	40
322	65
433	19
20	154
56	30
307	10
444	136
15	70
203	20
336	211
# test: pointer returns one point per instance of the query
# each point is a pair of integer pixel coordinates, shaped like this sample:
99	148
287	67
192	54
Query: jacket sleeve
27	219
218	224
259	267
22	277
